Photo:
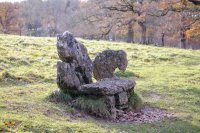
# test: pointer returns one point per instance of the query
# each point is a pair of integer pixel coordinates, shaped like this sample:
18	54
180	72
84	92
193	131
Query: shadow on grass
190	91
126	74
173	125
61	100
14	125
10	79
94	106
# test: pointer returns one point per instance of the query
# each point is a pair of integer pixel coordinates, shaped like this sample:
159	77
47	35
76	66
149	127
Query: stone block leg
121	100
110	102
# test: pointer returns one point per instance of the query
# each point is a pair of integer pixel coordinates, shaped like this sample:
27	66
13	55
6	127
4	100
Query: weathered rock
74	76
75	67
106	62
110	101
115	91
121	98
71	51
108	86
67	78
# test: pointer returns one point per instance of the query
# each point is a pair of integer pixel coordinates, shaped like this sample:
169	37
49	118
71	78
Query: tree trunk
5	31
163	39
113	37
183	39
105	37
20	32
130	33
143	32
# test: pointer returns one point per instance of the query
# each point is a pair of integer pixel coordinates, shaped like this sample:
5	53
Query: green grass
96	107
166	78
135	102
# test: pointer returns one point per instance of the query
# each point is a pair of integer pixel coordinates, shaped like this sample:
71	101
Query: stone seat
114	91
75	70
108	86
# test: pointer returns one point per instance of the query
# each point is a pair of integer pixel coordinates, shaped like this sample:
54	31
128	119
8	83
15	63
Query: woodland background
173	23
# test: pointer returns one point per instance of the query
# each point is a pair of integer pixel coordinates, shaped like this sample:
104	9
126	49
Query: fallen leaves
146	115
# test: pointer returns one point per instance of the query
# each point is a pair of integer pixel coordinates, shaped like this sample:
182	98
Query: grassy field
166	78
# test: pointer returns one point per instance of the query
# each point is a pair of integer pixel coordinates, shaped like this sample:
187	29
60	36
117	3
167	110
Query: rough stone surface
110	101
122	98
74	74
108	86
76	66
67	78
106	62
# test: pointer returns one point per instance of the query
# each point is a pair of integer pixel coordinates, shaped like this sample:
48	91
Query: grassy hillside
166	78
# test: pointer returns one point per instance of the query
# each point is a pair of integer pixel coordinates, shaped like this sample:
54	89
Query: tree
8	17
32	13
138	12
187	15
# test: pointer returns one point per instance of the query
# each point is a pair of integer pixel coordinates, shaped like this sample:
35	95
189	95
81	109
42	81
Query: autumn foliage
161	22
9	18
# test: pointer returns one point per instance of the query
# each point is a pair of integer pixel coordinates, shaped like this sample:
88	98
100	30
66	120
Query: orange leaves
12	124
9	123
194	32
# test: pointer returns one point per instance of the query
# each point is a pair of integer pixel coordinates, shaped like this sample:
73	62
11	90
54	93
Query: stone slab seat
108	86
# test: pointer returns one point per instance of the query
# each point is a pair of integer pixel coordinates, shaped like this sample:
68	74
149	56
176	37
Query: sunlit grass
166	78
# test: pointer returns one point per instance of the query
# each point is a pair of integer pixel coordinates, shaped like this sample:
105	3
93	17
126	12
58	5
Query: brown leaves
9	14
10	124
146	115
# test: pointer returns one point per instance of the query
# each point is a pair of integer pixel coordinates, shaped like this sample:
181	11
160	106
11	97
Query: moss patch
135	102
93	106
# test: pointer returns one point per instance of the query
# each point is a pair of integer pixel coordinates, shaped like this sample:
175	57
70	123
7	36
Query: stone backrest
75	67
106	62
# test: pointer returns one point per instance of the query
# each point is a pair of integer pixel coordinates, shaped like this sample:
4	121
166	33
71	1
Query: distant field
166	78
